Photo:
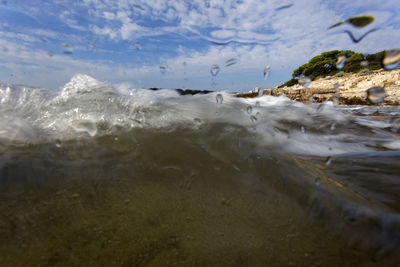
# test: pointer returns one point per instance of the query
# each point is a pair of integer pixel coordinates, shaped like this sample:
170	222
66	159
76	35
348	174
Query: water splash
214	70
376	94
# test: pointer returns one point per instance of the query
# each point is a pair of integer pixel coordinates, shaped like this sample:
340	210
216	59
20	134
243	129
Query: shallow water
93	173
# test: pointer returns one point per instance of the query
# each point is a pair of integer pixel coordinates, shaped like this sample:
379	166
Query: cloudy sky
173	44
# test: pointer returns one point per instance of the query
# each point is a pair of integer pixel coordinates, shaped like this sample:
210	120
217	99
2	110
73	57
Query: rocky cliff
343	88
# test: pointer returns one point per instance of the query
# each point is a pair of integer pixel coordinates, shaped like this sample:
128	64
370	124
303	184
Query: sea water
129	177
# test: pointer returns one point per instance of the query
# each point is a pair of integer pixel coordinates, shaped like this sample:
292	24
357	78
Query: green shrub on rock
325	64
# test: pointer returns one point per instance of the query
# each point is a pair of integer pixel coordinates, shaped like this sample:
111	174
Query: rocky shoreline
342	88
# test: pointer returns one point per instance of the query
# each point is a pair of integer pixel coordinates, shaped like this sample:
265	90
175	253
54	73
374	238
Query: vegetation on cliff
326	64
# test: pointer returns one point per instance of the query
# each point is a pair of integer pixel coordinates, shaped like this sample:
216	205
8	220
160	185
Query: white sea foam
85	107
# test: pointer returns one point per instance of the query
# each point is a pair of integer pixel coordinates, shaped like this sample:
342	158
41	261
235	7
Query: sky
175	43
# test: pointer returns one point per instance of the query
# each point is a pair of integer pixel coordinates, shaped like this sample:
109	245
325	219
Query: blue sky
124	43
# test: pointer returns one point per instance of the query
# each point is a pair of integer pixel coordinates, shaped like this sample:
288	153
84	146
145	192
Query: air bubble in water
214	70
267	72
328	160
391	59
230	62
249	110
376	94
340	62
163	69
303	80
219	98
138	46
302	129
253	118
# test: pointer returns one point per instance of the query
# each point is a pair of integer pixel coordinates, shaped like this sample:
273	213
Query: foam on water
85	107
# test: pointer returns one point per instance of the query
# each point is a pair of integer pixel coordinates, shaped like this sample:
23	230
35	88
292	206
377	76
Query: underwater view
196	134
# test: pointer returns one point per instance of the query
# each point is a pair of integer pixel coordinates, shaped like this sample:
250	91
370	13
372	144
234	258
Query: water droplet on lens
260	92
340	62
376	94
302	129
163	69
138	46
65	45
328	160
249	110
90	46
395	121
336	86
214	69
360	21
328	66
219	98
58	144
253	118
391	59
230	62
266	72
320	107
364	63
317	181
257	104
335	100
303	80
311	98
50	53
